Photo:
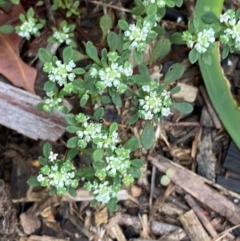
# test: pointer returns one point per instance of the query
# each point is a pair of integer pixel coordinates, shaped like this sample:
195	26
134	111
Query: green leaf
183	107
132	144
237	15
207	59
138	56
71	154
70	119
72	192
112	40
193	56
174	73
78	71
83	100
6	29
72	142
93	203
91	51
15	1
160	50
67	54
42	161
196	22
47	149
99	165
140	79
123	24
86	172
73	129
175	90
97	155
137	163
112	205
143	69
151	9
49	86
98	113
44	55
52	191
106	23
32	181
105	99
176	38
209	18
148	136
165	180
117	100
225	52
139	10
134	118
77	56
30	13
113	127
134	172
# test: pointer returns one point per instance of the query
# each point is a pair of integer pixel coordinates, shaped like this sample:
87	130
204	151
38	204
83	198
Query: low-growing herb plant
108	78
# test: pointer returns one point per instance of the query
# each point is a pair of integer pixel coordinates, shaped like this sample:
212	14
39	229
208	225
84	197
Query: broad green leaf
151	9
112	205
112	40
196	22
134	118
30	13
72	142
70	119
117	100
15	1
42	161
97	155
137	163
72	153
176	38
47	149
49	86
105	99
78	71
98	113
106	23
140	79
67	54
86	172
138	56
83	100
132	144
32	181
123	24
77	56
209	18
175	90
134	172
72	192
91	51
143	69
73	129
148	136
193	56
6	29
44	55
113	127
174	73
183	107
225	52
160	50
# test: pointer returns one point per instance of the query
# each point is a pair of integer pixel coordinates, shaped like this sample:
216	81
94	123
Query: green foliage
148	136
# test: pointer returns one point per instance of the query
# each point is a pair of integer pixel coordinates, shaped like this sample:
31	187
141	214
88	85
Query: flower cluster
30	25
52	102
153	103
91	131
117	163
58	174
201	42
231	36
64	35
60	72
138	35
112	75
160	3
103	192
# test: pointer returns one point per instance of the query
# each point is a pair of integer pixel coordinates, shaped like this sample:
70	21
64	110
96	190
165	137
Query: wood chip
187	92
29	222
196	187
193	227
117	233
101	216
18	112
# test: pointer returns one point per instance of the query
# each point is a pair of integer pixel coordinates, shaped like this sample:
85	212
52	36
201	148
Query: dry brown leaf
11	65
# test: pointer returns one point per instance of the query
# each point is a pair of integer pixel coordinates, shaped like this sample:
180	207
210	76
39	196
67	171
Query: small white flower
146	88
40	178
52	157
166	111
